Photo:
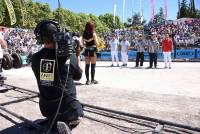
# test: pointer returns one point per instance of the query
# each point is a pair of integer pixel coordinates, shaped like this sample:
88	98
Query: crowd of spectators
21	41
186	33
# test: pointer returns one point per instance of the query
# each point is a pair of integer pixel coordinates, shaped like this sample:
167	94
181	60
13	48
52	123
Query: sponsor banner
132	55
24	12
105	55
180	54
198	53
11	12
185	54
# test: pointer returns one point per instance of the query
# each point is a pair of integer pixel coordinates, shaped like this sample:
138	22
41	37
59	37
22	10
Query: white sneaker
63	128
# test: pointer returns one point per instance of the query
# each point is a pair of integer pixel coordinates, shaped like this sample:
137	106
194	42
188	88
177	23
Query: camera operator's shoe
74	123
94	82
63	128
87	82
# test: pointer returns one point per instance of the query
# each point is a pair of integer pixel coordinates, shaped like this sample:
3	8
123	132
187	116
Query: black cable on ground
18	100
167	123
146	118
111	115
27	90
119	127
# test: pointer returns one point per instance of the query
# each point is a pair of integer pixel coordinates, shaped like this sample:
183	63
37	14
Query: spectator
167	45
114	50
124	50
140	46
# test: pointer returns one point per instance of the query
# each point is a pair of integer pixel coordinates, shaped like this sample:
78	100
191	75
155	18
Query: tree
159	17
39	11
184	9
135	21
100	26
192	9
179	8
36	12
2	12
197	13
194	13
108	19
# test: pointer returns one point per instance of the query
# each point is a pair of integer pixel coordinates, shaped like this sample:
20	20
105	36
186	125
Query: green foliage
159	17
37	12
2	11
135	21
184	10
108	19
197	13
74	22
188	11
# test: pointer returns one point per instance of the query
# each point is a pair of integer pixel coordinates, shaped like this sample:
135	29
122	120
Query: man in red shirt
167	47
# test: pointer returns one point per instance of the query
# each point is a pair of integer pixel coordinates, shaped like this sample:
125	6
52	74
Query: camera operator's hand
3	43
79	47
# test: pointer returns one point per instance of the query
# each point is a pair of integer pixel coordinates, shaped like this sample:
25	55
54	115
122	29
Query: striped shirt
153	46
139	45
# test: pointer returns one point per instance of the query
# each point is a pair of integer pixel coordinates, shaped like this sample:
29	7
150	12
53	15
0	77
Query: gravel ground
167	94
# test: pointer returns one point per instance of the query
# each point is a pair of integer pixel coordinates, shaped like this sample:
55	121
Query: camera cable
63	90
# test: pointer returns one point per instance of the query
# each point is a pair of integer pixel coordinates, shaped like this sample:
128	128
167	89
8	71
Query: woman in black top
89	39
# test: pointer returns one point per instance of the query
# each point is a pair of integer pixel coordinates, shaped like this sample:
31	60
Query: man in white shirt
114	50
3	44
124	50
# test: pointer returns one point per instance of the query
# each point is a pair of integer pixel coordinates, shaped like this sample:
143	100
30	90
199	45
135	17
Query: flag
152	10
165	10
114	12
141	11
123	10
24	12
11	12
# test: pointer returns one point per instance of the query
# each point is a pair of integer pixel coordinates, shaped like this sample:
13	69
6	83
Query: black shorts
90	52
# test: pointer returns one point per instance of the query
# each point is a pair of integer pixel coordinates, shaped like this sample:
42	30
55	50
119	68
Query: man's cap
48	28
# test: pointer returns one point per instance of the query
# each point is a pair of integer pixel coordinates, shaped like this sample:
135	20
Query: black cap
48	28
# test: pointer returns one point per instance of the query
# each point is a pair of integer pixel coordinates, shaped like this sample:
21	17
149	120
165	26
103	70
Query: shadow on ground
25	128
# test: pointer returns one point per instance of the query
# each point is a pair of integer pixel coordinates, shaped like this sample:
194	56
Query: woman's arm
95	39
88	40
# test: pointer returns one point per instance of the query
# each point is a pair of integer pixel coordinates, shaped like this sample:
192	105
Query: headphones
39	29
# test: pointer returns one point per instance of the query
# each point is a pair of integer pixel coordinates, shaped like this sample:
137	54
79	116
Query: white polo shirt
114	45
124	46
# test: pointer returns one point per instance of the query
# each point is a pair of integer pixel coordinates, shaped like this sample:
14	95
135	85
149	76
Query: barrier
185	54
105	56
198	53
132	55
180	54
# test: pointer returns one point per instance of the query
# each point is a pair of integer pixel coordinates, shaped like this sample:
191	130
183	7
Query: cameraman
55	76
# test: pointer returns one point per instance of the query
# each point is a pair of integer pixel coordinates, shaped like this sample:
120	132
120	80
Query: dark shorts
69	111
90	52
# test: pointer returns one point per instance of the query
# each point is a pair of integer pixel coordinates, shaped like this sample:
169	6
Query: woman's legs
87	67
93	65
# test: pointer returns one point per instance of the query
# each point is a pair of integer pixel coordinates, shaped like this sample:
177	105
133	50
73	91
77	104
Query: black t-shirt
50	73
88	35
